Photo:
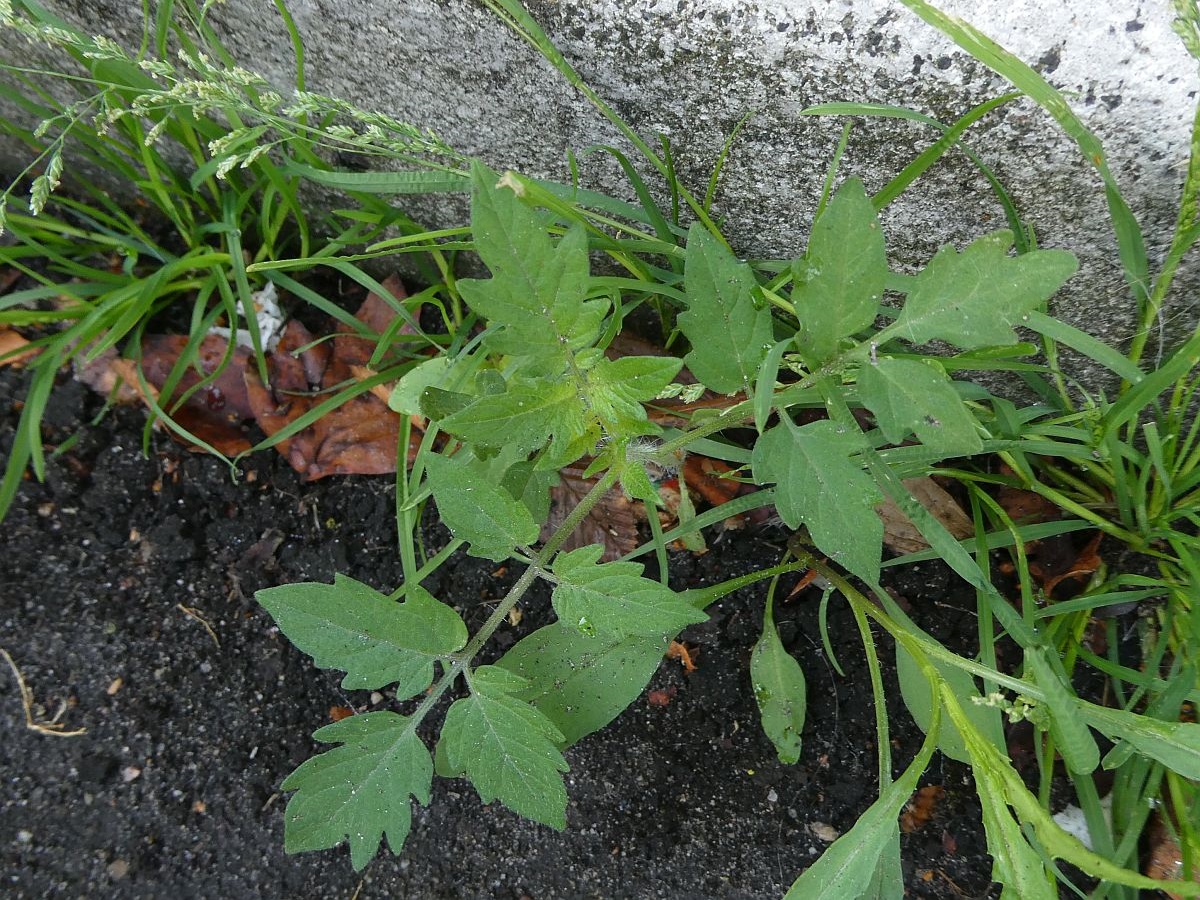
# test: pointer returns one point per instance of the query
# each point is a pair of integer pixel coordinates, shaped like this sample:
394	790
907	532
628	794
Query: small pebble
823	832
24	837
118	869
772	796
130	773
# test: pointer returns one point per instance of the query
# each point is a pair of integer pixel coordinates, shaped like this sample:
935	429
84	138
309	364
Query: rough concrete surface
691	69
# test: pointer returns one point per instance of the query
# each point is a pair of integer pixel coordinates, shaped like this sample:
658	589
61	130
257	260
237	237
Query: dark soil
110	567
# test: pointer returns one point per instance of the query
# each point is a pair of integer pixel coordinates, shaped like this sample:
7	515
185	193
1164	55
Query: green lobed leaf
507	748
613	598
975	298
374	640
359	791
728	333
485	515
538	289
526	417
617	388
406	395
780	692
582	682
907	395
839	280
819	486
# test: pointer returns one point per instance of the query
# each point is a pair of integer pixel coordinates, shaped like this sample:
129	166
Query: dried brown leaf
1165	860
215	413
357	438
378	315
612	522
14	349
110	375
1024	507
901	536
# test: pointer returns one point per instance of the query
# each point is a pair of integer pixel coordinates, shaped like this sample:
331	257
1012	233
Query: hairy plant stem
525	582
456	663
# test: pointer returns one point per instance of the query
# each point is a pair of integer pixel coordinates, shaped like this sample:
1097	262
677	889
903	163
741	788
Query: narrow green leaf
780	692
1071	735
613	598
975	298
382	182
907	395
485	515
1174	744
1017	865
582	682
839	280
1093	348
819	486
508	749
374	640
358	791
728	333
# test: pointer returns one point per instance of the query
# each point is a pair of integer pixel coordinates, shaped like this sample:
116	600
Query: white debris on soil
1072	821
269	316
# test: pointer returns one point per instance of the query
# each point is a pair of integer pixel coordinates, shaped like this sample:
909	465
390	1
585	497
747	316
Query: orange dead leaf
705	477
685	654
921	807
1084	566
805	580
14	349
382	391
1165	862
378	315
663	697
337	713
111	375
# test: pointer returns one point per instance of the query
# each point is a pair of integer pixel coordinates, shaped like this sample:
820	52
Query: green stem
517	591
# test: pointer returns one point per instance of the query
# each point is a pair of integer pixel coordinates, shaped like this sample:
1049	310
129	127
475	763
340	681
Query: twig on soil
188	611
51	727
